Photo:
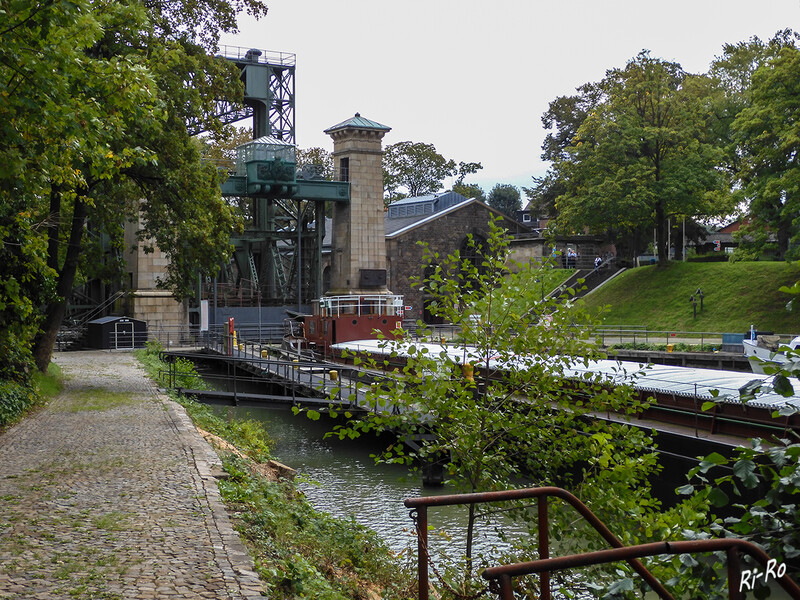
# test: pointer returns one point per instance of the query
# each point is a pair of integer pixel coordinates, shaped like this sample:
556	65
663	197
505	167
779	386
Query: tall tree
505	198
96	98
419	169
221	148
642	156
562	119
768	134
732	72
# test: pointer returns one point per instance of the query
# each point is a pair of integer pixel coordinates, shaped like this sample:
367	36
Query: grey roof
268	139
111	318
415	199
358	122
417	209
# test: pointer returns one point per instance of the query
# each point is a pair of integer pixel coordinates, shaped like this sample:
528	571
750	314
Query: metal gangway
304	379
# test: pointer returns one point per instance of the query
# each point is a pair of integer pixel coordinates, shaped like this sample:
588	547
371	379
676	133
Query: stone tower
358	261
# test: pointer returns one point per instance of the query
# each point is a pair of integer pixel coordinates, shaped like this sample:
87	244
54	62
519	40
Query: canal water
340	477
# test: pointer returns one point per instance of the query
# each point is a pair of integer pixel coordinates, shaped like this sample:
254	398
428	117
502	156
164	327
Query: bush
15	399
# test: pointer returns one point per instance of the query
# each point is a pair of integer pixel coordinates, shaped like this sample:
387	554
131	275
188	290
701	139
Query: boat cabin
338	319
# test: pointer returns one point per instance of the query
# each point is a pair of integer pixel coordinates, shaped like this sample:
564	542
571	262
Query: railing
187	336
334	383
271	57
377	304
624	334
621	334
503	575
420	505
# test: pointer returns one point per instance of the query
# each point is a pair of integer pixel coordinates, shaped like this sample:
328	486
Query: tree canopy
642	155
650	144
470	190
505	198
95	100
419	169
767	133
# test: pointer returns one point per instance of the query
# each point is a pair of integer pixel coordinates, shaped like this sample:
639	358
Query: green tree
221	148
543	193
317	161
562	119
768	135
470	190
419	169
642	156
732	72
491	430
506	199
96	103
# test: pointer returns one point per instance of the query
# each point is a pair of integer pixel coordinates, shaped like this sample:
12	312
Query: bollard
469	372
264	354
334	375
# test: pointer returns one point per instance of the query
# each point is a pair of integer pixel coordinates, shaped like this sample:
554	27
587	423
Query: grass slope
736	295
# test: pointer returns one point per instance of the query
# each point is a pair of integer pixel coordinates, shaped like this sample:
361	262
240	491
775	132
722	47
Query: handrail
504	574
421	505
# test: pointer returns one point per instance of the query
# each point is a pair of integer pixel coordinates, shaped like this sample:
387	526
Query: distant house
724	239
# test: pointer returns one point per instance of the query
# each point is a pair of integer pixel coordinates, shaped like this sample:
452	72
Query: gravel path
108	493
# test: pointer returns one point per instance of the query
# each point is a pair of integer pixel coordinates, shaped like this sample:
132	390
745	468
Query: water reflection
340	477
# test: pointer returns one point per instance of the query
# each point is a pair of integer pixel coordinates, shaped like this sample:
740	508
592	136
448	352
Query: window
344	169
526	218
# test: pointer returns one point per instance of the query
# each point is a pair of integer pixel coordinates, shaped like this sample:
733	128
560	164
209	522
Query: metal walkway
304	382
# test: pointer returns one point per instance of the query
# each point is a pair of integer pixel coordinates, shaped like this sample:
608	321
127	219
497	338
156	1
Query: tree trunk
662	233
53	226
54	315
784	234
470	530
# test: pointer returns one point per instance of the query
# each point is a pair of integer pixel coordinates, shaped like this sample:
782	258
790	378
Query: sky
473	78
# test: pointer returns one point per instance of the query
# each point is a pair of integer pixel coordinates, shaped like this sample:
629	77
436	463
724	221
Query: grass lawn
736	295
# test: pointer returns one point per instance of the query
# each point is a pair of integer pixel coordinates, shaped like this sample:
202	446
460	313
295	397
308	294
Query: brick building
443	221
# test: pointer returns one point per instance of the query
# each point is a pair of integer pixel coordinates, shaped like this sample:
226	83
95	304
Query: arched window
473	253
428	299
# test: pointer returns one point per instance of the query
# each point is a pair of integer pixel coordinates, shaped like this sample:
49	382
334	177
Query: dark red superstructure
346	318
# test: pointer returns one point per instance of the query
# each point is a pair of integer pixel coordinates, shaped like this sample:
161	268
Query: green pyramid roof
358	122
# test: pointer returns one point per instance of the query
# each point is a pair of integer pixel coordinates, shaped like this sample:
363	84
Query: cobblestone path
108	493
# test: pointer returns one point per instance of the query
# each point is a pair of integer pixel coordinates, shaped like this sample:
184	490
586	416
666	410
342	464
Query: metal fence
633	334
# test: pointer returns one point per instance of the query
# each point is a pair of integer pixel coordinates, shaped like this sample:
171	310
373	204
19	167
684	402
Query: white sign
203	315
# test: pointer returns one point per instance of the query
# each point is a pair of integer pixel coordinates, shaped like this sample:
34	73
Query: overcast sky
473	78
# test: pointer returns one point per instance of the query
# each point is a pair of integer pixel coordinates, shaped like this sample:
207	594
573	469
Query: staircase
592	279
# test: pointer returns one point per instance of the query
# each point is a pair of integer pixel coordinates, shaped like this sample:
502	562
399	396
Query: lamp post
699	293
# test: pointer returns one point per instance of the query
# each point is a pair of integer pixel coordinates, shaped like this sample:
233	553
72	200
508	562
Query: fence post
544	545
422	551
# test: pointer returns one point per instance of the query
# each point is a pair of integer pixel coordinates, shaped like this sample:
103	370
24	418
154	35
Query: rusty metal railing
504	575
420	505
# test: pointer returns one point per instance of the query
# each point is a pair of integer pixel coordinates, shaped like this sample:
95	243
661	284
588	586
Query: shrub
15	399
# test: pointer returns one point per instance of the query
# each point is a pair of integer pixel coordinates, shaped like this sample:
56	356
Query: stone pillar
359	233
164	314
